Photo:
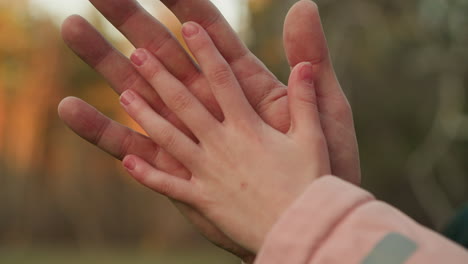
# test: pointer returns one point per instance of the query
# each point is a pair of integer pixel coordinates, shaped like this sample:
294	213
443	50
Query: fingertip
68	106
306	72
81	37
303	34
81	117
72	27
302	74
190	29
301	8
127	97
305	4
129	162
62	106
139	57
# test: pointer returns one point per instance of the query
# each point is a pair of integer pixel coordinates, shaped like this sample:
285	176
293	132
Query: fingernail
127	97
129	164
189	30
307	72
139	57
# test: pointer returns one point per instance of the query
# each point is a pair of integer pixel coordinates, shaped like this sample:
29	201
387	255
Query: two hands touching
244	173
234	146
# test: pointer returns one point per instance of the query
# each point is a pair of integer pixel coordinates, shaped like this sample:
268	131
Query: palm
264	91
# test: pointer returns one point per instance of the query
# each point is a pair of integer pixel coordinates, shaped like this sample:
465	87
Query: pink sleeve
336	222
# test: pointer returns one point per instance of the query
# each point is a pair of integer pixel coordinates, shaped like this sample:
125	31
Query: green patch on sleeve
392	249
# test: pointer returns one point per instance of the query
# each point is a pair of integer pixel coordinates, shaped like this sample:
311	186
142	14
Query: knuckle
208	21
144	174
158	43
181	101
99	136
165	188
200	45
221	76
129	79
151	179
167	137
308	96
127	142
151	73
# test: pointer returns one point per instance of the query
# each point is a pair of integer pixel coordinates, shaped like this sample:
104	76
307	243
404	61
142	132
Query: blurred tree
266	38
55	187
432	166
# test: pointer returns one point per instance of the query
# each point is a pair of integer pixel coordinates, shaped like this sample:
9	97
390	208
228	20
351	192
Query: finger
208	16
304	40
159	181
103	132
114	138
144	31
305	120
175	95
223	82
244	63
160	130
89	45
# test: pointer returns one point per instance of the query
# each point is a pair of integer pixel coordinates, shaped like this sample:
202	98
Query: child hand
244	172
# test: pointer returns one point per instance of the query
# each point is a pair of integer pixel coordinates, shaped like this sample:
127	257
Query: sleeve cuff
303	227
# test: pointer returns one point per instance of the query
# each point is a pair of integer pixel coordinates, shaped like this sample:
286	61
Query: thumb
303	38
305	119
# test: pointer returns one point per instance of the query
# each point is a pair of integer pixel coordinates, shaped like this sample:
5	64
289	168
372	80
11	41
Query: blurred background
403	65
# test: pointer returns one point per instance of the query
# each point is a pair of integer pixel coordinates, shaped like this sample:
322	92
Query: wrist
270	215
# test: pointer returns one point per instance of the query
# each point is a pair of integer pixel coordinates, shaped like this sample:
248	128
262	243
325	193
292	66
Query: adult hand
304	41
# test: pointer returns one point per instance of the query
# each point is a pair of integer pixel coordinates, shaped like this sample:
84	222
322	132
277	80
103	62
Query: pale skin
304	41
244	173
